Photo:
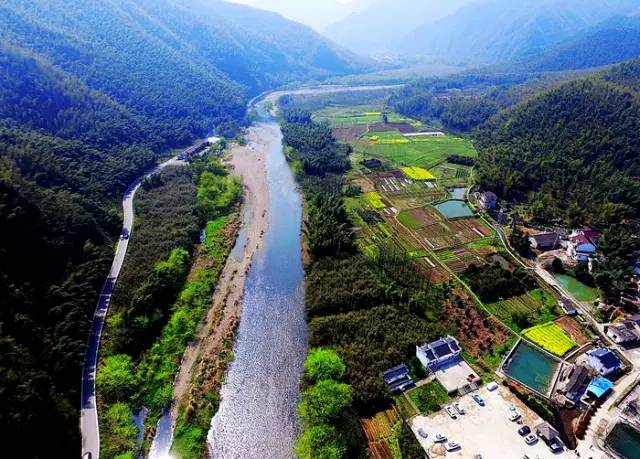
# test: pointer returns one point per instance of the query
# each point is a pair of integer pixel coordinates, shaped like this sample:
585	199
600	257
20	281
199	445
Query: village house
398	379
488	200
603	360
573	383
583	244
567	306
598	389
550	436
545	241
439	352
625	332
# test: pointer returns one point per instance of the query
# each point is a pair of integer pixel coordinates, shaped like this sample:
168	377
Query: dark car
125	234
524	430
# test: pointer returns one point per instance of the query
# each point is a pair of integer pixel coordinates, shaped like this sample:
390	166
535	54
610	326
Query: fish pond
581	291
624	440
531	367
454	208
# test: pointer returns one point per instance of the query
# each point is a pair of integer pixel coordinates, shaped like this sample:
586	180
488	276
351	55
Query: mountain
91	93
571	152
500	30
374	29
189	63
314	13
612	41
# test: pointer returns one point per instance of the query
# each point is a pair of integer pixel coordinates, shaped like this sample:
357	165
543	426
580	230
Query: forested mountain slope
571	152
500	30
613	41
91	93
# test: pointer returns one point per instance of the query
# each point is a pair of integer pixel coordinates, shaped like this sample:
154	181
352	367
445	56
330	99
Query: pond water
457	193
579	290
625	441
454	208
257	415
531	367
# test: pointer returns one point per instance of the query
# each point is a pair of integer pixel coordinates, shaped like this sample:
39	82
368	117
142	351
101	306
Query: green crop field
375	199
349	116
551	338
408	221
534	307
427	154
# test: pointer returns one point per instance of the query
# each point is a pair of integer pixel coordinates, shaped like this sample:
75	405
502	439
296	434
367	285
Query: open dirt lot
483	430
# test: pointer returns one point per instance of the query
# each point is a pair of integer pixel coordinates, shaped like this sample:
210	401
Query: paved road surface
88	412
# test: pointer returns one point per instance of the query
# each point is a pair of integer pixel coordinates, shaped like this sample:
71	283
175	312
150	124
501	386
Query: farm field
551	338
427	153
534	307
380	431
365	115
375	199
418	173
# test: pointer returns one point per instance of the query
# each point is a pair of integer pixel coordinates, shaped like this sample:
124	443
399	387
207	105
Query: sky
315	13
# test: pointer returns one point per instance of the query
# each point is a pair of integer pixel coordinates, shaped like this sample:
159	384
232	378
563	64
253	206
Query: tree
325	402
322	364
320	442
115	379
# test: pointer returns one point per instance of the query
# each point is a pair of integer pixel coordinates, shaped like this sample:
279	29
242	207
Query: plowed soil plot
573	329
404	128
349	133
470	230
364	183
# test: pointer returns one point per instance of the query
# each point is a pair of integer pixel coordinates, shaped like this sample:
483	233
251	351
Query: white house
439	352
488	200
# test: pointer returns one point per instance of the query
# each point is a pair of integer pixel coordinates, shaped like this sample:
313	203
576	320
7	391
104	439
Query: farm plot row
551	338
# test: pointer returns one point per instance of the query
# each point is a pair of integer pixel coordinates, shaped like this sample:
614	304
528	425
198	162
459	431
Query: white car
439	438
531	439
450	411
452	446
422	433
492	386
458	408
514	416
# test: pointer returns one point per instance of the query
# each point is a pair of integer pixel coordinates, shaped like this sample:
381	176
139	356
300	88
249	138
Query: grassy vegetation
409	221
429	397
551	338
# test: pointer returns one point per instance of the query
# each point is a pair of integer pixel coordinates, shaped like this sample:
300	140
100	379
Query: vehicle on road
458	408
514	416
439	438
450	411
478	399
531	439
422	433
452	446
124	235
524	430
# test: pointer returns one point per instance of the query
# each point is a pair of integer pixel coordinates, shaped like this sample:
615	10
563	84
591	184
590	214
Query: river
257	414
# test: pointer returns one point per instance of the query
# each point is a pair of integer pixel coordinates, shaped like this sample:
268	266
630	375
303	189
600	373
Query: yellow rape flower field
375	199
418	173
551	338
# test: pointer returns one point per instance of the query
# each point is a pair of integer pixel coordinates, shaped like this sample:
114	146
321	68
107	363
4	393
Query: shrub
323	364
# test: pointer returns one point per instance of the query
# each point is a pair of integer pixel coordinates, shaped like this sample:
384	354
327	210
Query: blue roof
606	357
599	387
586	247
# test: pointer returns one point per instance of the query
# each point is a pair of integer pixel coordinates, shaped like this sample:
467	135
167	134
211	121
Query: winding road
89	413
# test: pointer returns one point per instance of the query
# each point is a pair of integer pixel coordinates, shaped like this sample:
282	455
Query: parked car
450	411
492	386
422	433
478	399
531	439
439	438
514	416
477	456
452	446
524	430
458	408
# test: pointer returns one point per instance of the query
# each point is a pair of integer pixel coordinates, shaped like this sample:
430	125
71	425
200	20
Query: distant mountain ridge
500	30
612	41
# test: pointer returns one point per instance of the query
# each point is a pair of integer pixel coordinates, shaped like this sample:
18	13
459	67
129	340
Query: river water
257	415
